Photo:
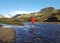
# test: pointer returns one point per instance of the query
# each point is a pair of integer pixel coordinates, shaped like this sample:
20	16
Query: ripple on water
45	33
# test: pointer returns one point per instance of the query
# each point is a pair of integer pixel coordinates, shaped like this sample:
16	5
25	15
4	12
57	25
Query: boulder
7	34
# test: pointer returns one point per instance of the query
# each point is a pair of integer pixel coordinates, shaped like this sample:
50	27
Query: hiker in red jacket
33	22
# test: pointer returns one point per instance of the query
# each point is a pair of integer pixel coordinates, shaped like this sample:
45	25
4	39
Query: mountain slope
43	14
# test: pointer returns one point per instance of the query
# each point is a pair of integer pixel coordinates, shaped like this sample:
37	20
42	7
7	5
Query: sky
12	7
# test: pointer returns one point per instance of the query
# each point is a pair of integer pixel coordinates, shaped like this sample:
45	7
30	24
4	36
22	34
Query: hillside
46	13
42	15
46	10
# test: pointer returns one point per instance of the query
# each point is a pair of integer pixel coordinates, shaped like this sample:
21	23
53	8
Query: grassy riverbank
20	22
10	21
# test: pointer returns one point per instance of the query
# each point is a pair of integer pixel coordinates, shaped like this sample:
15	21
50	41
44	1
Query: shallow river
44	33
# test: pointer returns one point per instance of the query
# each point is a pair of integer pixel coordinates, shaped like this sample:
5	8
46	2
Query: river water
44	33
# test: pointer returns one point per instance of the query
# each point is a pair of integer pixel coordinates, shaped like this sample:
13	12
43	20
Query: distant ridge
47	10
1	16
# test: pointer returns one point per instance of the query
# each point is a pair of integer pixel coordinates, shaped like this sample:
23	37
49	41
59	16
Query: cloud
7	16
13	13
19	12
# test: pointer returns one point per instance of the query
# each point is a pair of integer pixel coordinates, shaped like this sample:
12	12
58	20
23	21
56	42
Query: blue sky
8	6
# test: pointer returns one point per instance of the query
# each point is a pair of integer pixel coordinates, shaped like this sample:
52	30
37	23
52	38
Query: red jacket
33	20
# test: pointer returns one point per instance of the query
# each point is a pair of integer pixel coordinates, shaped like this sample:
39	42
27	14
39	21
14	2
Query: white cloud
20	12
13	13
7	16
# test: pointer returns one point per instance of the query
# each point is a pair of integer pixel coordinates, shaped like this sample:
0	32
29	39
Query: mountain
17	16
46	10
50	14
1	16
42	15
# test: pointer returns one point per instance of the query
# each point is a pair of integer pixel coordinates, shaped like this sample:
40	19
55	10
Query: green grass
44	17
58	16
7	21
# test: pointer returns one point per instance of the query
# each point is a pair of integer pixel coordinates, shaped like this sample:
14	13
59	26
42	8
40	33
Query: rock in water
7	34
